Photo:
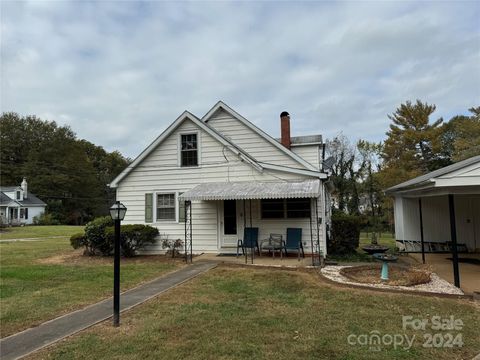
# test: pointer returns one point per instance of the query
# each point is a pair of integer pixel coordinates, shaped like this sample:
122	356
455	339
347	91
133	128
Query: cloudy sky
118	73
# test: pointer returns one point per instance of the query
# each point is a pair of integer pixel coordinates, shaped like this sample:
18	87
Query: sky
119	72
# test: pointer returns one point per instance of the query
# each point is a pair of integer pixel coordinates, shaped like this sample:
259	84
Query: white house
228	174
18	206
424	207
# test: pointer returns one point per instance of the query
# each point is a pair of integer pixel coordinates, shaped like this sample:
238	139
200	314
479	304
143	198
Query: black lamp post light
117	212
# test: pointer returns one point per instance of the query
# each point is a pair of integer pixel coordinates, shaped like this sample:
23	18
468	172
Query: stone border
436	286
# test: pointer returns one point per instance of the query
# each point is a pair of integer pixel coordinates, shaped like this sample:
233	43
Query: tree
460	137
70	175
409	148
370	154
346	172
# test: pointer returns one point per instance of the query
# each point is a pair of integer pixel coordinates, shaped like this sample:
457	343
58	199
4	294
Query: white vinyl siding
250	141
310	153
160	173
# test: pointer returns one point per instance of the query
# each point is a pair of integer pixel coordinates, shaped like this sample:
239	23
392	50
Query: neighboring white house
425	205
234	175
19	206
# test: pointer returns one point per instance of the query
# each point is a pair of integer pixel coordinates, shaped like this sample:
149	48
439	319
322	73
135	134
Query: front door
228	224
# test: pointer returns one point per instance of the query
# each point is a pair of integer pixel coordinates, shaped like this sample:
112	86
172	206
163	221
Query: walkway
28	341
33	239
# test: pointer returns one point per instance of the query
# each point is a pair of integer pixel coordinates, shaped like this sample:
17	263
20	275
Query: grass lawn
40	280
240	313
20	232
386	239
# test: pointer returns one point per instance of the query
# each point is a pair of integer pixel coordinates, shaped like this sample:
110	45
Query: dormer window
19	195
189	150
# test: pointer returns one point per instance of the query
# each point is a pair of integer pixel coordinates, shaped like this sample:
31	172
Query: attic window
189	150
19	195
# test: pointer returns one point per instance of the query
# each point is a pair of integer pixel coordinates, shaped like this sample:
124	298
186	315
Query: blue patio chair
249	241
294	241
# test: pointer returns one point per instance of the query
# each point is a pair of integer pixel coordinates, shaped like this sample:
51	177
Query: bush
77	240
171	245
132	237
45	219
95	239
345	234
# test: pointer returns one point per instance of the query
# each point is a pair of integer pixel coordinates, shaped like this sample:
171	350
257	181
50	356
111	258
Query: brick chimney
285	129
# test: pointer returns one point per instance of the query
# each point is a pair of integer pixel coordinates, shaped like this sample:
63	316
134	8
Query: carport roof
463	174
253	190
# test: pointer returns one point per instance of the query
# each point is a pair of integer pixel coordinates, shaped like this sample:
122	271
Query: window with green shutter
148	208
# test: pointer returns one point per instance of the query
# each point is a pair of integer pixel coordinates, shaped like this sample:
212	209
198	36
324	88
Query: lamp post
117	212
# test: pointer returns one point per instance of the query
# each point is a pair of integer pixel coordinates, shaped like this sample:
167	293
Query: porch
263	260
267	208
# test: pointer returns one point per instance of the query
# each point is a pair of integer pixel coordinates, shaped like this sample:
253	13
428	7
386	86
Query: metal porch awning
250	190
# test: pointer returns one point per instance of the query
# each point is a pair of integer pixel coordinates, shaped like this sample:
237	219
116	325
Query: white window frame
177	206
285	212
179	149
156	206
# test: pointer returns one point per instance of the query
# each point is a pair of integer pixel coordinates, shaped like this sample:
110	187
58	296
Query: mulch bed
398	276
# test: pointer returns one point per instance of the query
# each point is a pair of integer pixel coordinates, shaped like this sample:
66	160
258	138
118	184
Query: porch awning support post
421	229
188	232
311	232
253	247
453	235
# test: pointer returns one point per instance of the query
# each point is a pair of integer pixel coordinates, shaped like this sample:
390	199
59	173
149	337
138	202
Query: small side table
272	245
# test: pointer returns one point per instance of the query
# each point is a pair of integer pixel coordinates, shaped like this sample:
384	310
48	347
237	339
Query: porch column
453	235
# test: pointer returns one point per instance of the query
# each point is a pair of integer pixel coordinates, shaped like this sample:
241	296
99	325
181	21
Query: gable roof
221	105
31	199
432	176
4	199
186	115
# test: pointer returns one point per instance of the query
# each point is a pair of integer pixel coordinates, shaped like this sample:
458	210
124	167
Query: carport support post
421	229
453	235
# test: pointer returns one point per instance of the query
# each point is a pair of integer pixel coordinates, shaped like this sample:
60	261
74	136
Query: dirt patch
398	276
76	257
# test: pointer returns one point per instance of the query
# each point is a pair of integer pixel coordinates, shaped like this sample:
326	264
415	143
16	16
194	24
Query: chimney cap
284	113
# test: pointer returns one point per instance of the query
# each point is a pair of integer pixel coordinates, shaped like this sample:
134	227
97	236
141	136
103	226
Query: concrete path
30	340
33	239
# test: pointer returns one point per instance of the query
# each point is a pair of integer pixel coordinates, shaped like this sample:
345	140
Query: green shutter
148	208
181	210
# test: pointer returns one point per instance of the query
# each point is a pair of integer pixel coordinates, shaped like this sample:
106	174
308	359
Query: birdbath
375	249
385	259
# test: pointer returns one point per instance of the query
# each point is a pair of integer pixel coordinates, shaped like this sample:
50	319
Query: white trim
317	174
177	207
199	148
307	144
271	140
160	221
285	209
185	116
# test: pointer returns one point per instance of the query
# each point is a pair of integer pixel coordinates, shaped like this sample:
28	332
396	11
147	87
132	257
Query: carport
439	212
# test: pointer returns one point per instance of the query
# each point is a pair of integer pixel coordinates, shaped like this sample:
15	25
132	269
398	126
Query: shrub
132	237
345	234
95	239
45	219
171	245
77	240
